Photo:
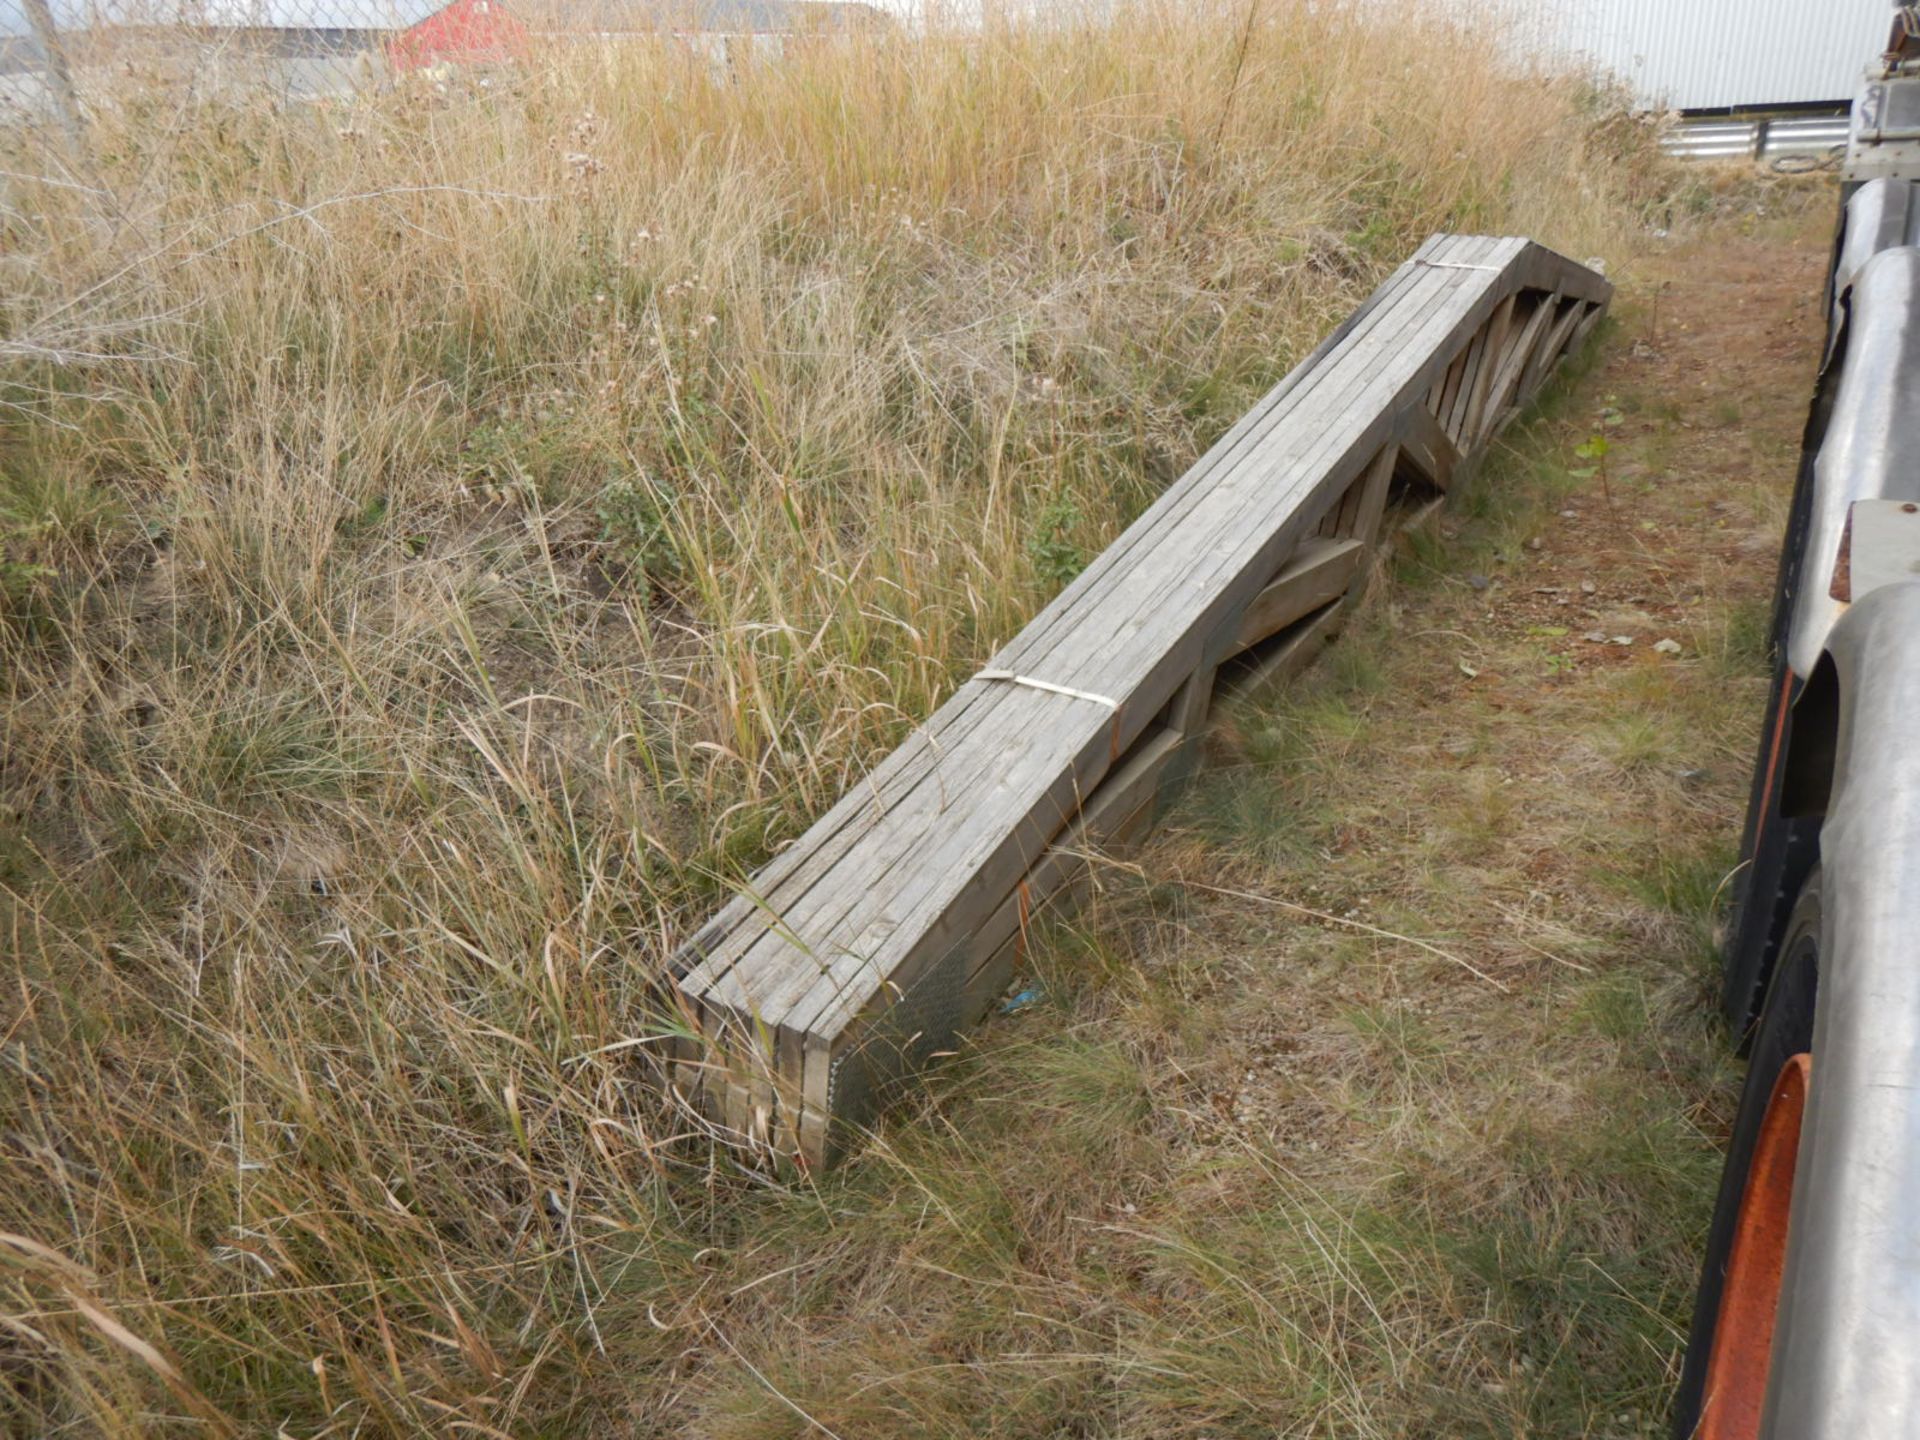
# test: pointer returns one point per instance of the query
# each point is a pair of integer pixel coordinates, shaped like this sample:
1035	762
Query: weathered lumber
1426	443
1320	571
873	941
1292	651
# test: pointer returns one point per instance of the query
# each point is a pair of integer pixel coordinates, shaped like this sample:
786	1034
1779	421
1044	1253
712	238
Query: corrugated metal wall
1698	54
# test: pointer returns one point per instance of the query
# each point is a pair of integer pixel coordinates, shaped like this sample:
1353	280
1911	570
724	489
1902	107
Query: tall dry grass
448	536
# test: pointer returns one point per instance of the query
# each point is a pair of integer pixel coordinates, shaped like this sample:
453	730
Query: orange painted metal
1742	1355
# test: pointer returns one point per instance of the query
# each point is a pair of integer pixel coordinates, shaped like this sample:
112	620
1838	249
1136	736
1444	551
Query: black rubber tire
1786	852
1777	853
1785	1030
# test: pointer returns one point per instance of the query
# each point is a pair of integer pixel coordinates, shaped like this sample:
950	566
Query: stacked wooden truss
869	944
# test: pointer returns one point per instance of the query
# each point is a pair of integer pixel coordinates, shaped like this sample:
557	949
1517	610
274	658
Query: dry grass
447	538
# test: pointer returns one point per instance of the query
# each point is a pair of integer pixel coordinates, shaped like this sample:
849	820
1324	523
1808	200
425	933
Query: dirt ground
1557	694
1535	759
1382	1094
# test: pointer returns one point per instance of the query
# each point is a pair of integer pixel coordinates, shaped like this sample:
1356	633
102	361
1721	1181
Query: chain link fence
60	59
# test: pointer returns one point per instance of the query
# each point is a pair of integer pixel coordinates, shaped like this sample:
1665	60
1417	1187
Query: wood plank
1493	347
1550	349
1450	393
1187	715
1291	652
1373	497
1506	384
1588	324
1454	416
1429	448
1321	570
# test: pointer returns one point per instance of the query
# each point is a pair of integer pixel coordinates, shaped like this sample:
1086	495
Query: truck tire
1777	851
1784	854
1784	1032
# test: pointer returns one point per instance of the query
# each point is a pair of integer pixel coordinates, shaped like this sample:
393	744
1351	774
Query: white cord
1048	686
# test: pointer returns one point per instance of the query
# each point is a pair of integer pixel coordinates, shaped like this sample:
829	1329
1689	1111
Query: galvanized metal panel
1820	136
1704	54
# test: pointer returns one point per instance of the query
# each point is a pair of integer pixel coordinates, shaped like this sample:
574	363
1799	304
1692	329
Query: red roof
466	32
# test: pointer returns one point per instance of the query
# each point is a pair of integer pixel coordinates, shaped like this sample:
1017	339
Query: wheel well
1813	741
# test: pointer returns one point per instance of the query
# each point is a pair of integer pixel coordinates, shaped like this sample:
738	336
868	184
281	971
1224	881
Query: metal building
1714	54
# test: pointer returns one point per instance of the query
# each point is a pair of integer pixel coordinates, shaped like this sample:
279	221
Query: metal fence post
59	77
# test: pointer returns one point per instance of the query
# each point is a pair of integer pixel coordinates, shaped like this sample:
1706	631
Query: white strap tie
1459	265
1048	686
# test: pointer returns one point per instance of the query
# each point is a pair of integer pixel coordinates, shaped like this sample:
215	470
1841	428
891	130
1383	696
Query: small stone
1536	543
1569	514
1623	640
1587	587
1478	581
1667	647
1595	637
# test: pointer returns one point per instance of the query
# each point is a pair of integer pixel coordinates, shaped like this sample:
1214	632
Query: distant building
466	32
277	26
1712	54
469	32
313	48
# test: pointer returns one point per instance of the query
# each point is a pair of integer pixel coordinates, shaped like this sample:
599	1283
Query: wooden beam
1506	394
1429	448
1319	572
1290	653
1374	492
1550	349
1187	715
1493	347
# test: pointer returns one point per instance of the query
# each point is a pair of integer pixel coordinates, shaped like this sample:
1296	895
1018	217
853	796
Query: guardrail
879	936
